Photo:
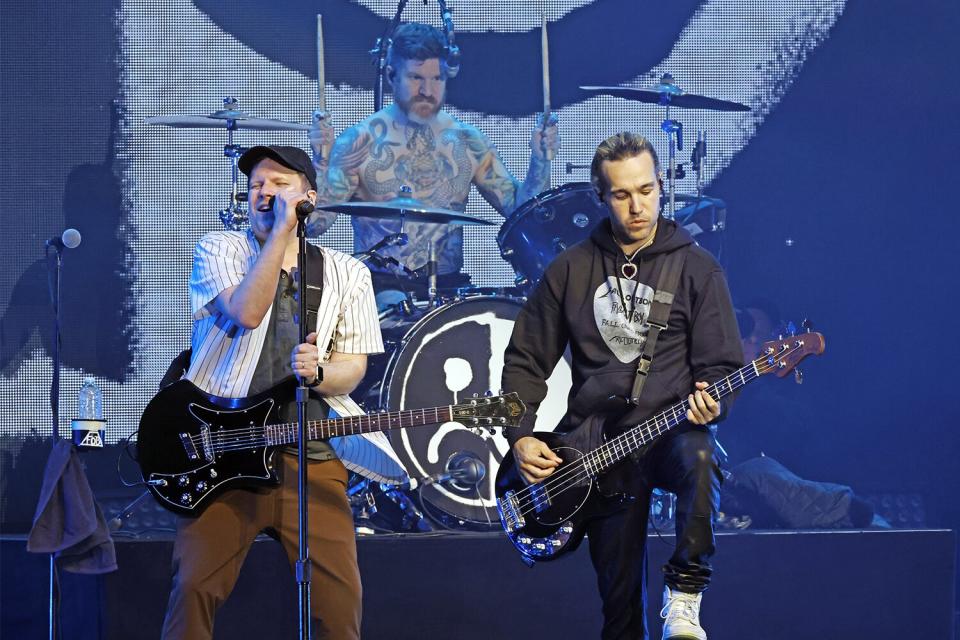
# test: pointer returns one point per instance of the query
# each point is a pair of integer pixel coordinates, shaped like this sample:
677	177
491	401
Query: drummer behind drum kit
464	333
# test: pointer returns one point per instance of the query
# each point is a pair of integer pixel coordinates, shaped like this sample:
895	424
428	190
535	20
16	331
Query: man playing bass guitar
596	298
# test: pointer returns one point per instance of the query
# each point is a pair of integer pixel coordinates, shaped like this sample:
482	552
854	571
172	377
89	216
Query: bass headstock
783	355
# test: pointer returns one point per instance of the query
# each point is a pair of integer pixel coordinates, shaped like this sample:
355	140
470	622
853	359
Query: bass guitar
547	519
193	445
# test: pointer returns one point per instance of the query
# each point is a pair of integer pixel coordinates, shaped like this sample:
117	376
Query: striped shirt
225	355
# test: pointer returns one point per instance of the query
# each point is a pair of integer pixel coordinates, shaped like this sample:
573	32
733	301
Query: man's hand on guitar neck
534	459
703	408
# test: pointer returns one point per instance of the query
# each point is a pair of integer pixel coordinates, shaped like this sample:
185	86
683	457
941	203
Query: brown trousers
210	549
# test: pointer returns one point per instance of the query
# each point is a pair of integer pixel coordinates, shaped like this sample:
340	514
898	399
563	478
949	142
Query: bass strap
659	317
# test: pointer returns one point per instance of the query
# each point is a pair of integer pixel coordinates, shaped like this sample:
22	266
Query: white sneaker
681	615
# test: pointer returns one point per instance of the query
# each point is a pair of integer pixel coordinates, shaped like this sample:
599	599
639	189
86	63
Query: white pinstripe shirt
225	355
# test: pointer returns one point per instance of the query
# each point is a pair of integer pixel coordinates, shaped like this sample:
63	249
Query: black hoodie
580	302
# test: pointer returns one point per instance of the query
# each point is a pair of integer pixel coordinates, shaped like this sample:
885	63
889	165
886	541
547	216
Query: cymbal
677	97
229	119
405	209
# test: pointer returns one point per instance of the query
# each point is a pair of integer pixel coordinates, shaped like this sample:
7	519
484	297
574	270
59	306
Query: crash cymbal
403	208
672	95
229	119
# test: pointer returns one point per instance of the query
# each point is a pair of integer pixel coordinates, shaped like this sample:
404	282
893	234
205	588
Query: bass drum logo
449	355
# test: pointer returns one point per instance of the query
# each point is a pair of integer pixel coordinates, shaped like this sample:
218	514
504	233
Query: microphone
699	154
69	239
453	51
432	273
305	207
463	470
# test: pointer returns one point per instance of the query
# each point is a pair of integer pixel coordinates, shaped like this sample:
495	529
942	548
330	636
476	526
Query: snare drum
444	356
546	225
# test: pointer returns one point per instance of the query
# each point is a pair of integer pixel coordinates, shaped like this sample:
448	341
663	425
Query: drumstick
321	71
545	69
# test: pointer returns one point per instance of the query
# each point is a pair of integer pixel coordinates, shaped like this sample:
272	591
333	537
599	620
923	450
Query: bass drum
444	357
546	225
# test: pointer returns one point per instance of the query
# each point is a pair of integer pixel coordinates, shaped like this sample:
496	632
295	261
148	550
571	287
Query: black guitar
192	445
547	519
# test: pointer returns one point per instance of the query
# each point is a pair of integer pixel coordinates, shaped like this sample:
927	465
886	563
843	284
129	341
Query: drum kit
451	346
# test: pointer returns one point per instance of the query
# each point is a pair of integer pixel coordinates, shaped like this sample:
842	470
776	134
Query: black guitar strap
659	316
314	284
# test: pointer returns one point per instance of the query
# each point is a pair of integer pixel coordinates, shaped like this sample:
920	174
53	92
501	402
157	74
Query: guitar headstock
504	410
782	356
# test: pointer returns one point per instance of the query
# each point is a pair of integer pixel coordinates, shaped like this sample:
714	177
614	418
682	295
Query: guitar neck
287	433
630	441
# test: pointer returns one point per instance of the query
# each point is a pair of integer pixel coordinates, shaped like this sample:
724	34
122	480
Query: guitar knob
186	498
183	481
202	486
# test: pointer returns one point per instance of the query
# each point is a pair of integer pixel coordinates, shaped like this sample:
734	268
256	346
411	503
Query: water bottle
90	401
88	427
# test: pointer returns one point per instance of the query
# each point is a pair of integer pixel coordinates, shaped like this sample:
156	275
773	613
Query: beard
420	110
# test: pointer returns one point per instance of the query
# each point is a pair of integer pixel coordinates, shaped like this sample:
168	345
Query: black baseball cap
290	157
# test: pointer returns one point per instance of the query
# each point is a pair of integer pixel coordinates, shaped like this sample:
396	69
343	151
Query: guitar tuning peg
798	375
807	325
476	395
487	393
791	329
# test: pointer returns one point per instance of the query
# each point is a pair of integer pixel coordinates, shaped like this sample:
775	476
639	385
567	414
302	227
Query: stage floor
876	584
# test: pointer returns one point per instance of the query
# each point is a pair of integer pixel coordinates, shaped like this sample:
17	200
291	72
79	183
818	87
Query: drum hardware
235	215
571	166
546	225
697	158
231	118
383	508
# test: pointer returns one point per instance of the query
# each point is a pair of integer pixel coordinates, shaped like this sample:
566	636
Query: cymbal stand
234	216
674	131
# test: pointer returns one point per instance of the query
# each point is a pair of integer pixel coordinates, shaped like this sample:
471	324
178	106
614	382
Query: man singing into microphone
245	341
415	143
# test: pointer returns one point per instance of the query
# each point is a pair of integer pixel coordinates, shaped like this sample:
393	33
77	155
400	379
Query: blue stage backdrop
836	183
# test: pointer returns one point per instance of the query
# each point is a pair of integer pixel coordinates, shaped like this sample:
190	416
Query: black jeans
684	463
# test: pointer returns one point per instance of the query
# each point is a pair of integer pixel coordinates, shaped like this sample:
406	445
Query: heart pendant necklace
628	268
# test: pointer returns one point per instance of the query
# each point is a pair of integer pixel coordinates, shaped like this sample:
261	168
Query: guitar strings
253	436
564	481
577	472
600	457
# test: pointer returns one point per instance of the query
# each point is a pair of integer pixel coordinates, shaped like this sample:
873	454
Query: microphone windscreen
71	238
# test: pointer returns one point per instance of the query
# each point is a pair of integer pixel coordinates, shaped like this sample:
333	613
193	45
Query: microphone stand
54	282
303	393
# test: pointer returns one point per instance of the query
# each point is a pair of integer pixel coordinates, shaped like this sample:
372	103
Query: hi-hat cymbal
672	95
227	119
403	209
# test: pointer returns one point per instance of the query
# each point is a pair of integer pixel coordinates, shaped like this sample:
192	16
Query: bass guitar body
547	520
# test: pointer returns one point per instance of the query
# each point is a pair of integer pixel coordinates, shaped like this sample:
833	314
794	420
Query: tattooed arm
339	176
504	192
